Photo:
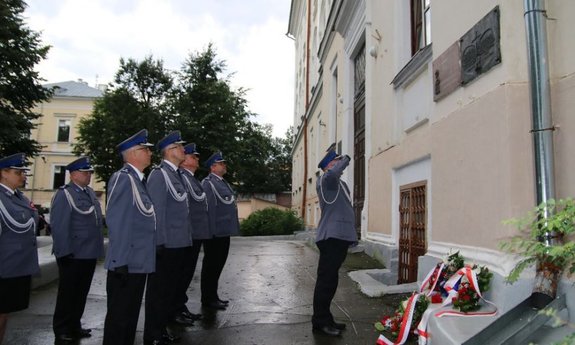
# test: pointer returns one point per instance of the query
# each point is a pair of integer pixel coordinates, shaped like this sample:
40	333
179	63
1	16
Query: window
420	24
59	177
64	130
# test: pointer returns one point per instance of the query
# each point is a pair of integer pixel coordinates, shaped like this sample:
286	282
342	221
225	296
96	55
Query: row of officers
156	228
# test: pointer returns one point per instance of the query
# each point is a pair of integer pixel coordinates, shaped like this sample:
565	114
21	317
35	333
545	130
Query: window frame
58	130
56	176
420	15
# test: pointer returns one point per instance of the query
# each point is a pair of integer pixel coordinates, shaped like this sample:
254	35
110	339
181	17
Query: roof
74	89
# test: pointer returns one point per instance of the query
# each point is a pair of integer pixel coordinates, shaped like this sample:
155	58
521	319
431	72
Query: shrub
271	221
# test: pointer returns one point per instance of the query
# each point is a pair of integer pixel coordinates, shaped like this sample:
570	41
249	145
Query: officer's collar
172	165
8	189
140	174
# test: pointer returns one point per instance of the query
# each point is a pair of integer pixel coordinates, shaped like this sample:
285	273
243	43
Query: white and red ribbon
405	327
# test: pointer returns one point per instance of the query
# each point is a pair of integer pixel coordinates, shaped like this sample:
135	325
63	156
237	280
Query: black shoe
340	326
155	342
224	301
192	316
170	339
182	320
84	333
328	330
65	339
215	305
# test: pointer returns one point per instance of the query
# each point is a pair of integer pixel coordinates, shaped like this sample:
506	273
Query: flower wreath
450	282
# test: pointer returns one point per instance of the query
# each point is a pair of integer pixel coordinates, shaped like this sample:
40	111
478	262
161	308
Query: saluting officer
76	217
174	238
131	253
223	217
198	204
335	234
18	250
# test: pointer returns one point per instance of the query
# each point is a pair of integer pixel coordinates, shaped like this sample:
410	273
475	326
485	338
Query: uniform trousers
162	291
216	252
125	292
75	278
332	253
191	258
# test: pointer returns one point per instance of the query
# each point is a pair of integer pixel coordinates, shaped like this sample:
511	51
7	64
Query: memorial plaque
479	47
446	72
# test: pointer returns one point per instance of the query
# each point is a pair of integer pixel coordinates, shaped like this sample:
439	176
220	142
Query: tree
20	86
199	101
136	100
213	115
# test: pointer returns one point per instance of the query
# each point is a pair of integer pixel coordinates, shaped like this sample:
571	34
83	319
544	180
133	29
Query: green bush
271	221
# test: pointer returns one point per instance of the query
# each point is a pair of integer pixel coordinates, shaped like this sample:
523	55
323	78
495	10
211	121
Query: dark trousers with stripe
125	292
332	253
162	291
191	259
216	252
75	278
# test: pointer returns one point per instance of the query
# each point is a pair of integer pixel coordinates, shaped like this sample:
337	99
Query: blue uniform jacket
198	204
337	216
174	229
18	249
131	224
222	207
76	223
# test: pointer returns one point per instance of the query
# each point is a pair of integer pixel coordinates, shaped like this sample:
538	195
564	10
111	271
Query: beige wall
474	146
247	207
39	185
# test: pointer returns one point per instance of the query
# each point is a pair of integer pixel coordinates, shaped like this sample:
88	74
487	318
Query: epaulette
156	166
64	186
124	170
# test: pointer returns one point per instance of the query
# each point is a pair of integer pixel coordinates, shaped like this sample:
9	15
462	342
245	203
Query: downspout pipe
542	123
304	128
542	130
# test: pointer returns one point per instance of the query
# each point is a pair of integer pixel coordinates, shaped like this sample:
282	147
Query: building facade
56	132
431	99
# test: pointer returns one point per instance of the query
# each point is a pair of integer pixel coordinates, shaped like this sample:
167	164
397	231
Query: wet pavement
270	287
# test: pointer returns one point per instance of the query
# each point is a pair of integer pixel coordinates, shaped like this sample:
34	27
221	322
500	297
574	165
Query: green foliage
135	101
271	221
20	86
197	100
551	217
216	118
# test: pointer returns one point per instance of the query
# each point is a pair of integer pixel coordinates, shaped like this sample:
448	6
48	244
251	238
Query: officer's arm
333	174
211	197
119	214
159	194
60	215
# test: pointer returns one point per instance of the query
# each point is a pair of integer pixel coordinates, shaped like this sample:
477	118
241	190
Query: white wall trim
497	261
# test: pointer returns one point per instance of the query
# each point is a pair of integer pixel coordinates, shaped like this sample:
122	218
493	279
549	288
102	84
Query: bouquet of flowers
391	324
443	271
467	298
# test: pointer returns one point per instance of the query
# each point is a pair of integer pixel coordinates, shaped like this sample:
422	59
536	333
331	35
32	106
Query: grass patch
361	261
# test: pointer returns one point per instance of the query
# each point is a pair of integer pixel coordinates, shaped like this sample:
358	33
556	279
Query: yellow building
57	131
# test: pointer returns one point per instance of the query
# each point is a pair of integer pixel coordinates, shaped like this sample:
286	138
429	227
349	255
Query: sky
88	38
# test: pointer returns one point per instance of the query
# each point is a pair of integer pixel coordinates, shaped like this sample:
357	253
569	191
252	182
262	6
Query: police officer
223	217
174	238
335	234
18	250
76	217
131	253
198	204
